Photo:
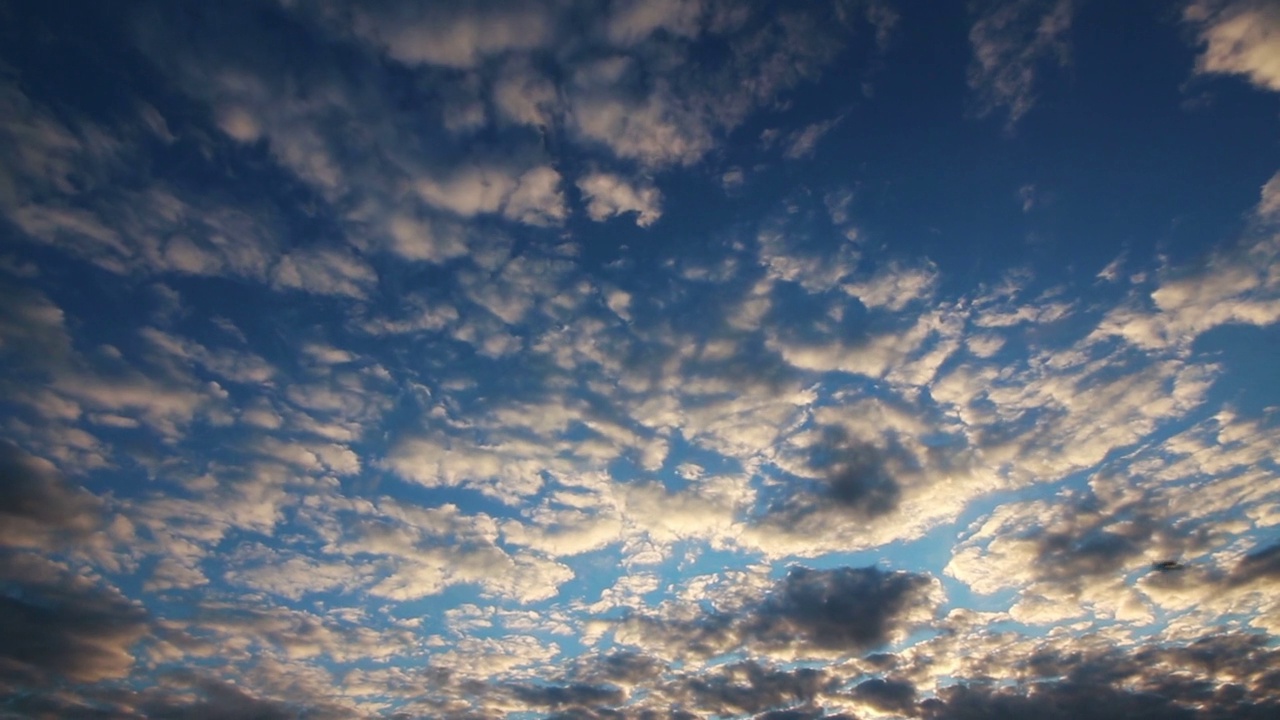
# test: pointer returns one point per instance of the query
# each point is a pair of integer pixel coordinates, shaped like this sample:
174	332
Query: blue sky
639	359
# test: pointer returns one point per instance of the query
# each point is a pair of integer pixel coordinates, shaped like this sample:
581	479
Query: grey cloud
801	143
751	687
218	700
846	608
33	332
895	696
1264	563
578	694
794	714
1050	701
1217	676
584	714
55	625
38	508
858	475
807	613
620	667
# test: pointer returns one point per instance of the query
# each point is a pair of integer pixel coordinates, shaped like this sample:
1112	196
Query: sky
639	359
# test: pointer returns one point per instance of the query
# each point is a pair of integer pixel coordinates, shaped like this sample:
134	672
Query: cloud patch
1012	42
610	195
1238	38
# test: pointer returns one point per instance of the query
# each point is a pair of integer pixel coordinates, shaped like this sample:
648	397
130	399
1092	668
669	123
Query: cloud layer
639	359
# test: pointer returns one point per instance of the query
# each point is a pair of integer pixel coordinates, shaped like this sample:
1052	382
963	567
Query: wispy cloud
1013	41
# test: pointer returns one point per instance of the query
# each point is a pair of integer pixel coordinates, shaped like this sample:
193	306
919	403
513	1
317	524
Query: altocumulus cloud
638	359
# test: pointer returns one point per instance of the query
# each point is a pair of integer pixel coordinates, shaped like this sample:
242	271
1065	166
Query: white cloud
894	287
609	195
817	270
324	272
661	128
433	240
227	364
532	197
469	191
1239	38
458	37
873	356
523	94
634	20
619	301
1236	286
537	199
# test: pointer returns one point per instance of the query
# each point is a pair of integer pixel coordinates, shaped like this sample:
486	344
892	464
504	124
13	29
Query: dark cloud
1220	676
1091	537
1264	563
841	610
792	714
584	714
218	700
849	476
38	508
858	475
627	668
670	715
1050	701
750	687
1094	552
896	696
56	625
851	609
579	694
33	334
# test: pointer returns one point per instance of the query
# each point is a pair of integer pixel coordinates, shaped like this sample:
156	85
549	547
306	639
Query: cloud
634	20
425	33
610	195
894	287
642	109
532	197
40	509
1233	286
808	614
203	697
1012	40
752	688
844	609
557	696
524	94
1269	204
59	625
433	240
801	143
227	364
854	476
656	128
1238	38
537	199
887	695
1065	699
33	332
